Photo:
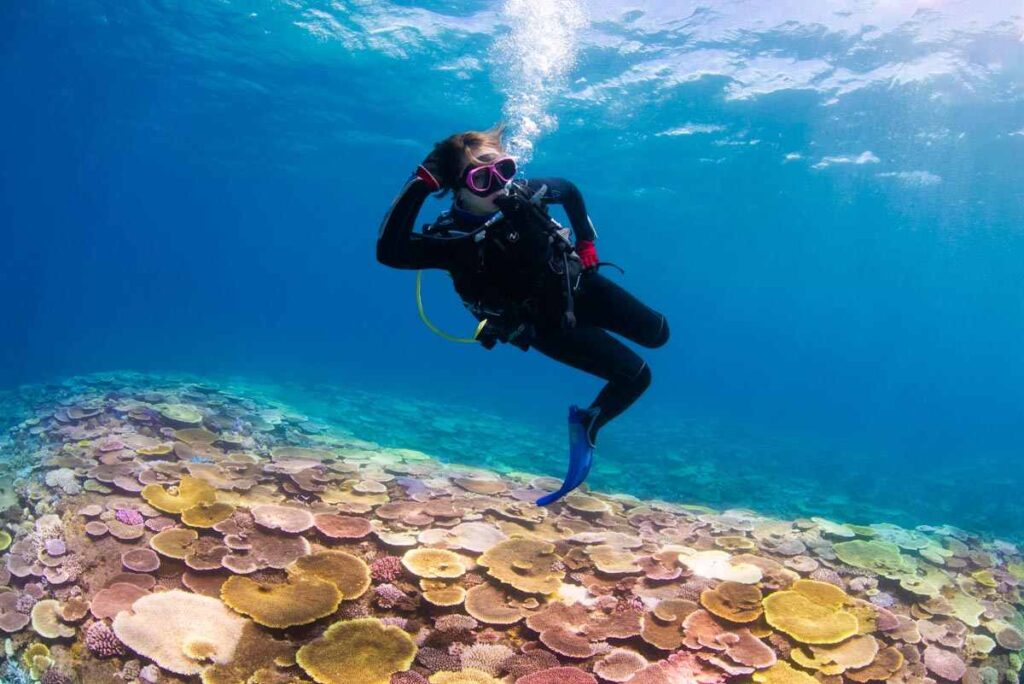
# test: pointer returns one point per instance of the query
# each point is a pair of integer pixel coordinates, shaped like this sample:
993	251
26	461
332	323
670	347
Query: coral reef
170	531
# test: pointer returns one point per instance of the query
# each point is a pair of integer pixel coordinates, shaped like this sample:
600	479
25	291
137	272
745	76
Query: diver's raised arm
563	191
397	245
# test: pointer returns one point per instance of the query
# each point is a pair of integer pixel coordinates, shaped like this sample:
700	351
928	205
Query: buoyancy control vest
526	267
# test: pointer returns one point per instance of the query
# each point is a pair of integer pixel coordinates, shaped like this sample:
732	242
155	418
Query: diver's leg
594	351
604	303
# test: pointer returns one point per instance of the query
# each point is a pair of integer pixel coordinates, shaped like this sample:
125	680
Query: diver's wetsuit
507	275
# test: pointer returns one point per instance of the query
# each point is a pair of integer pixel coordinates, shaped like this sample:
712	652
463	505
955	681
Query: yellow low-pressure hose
434	328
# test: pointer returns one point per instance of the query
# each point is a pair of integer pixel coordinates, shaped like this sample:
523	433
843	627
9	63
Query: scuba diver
518	273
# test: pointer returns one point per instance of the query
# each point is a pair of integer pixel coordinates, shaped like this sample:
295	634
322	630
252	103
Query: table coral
180	631
361	651
306	530
302	599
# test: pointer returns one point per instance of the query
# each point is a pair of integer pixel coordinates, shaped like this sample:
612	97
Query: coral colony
171	531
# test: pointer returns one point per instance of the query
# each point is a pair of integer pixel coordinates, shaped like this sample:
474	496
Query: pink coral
408	677
55	676
883	599
24	603
491	658
100	639
455	622
388	596
353	609
128	516
528	662
488	636
558	675
386	568
436	660
681	666
827	575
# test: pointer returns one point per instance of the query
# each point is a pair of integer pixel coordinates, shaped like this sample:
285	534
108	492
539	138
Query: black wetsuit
513	270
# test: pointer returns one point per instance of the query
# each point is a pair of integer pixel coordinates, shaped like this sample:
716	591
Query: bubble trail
532	64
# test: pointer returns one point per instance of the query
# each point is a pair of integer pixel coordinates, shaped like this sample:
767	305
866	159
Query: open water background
825	199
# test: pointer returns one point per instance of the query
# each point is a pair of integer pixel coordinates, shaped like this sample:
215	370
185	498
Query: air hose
434	328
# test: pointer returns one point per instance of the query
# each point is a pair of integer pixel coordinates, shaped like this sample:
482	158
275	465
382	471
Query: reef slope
160	530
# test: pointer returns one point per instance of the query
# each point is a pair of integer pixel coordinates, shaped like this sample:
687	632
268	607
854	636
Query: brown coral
302	599
206	515
528	565
360	651
348	573
733	601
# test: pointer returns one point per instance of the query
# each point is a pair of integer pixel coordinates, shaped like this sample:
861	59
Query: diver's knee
643	379
660	337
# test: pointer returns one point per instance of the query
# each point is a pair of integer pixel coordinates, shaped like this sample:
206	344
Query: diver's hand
429	171
587	253
505	202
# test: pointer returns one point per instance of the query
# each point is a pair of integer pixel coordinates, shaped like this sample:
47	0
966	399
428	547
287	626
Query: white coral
490	658
180	631
63	478
48	526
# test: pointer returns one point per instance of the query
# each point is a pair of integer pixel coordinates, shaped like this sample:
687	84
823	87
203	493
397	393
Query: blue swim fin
581	456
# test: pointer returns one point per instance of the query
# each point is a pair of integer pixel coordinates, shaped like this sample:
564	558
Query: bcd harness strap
517	336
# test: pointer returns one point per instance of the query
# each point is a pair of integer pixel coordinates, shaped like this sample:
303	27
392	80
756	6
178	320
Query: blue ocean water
825	199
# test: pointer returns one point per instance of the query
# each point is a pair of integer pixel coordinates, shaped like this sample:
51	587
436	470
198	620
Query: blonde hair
467	148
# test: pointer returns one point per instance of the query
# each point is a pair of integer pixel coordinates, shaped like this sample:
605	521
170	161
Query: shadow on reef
165	530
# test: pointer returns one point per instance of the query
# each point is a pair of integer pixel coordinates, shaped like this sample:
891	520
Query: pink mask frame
471	172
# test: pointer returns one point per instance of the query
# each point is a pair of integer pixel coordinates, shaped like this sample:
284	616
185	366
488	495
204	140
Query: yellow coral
888	661
174	542
191	491
302	599
858	652
156	450
878	556
470	675
185	414
434	563
196	436
36	658
348	573
783	673
735	543
46	620
442	593
206	514
360	651
811	612
984	577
